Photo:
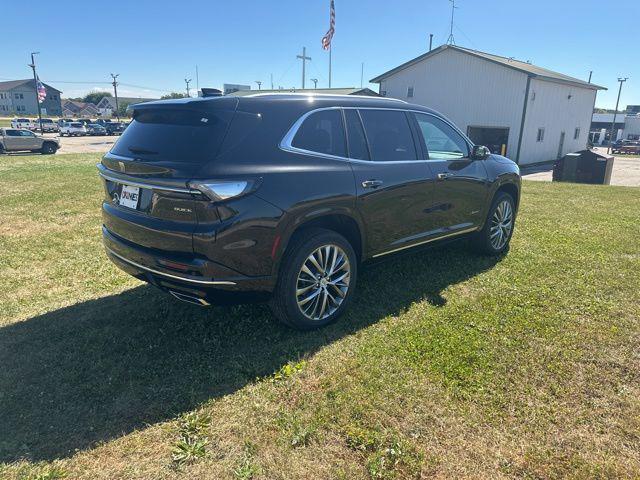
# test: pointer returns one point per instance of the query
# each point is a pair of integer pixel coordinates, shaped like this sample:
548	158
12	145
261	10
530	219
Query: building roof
608	117
11	84
317	91
509	62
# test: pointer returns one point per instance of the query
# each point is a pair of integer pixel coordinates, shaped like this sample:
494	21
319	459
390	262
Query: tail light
220	190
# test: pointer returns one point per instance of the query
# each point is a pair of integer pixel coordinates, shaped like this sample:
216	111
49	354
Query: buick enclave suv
281	197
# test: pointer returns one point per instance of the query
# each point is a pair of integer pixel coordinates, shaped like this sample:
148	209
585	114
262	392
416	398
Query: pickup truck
626	147
17	139
21	123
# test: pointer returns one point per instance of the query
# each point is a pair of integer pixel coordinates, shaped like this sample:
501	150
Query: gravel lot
84	144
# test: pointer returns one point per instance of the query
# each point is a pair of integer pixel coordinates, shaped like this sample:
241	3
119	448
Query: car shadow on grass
99	369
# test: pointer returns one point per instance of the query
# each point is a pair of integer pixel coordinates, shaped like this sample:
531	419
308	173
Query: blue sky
154	45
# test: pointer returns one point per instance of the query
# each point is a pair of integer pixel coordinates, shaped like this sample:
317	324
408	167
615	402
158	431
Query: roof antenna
450	39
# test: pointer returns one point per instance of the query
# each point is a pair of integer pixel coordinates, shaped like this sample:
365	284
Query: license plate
129	196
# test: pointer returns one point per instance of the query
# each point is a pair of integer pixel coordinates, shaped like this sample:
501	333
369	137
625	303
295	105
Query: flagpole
35	85
330	48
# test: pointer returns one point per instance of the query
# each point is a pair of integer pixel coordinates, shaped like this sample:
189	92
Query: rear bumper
191	275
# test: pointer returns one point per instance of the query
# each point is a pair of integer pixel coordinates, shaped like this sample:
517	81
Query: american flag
326	40
42	92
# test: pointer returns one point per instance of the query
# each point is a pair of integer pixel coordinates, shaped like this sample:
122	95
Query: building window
540	137
409	92
576	134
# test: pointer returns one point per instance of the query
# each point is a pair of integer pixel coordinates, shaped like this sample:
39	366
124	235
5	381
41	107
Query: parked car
281	197
114	128
95	129
48	125
103	121
20	123
84	121
62	121
15	140
626	147
75	129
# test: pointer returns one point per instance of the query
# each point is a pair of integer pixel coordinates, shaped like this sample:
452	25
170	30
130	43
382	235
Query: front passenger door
461	187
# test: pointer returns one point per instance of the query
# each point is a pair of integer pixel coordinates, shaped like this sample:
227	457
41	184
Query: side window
389	135
322	132
12	133
355	136
442	141
26	133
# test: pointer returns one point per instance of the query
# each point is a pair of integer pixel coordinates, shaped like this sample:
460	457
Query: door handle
371	183
443	176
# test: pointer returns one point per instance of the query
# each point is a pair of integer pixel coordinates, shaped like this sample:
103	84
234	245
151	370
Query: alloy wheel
323	282
501	224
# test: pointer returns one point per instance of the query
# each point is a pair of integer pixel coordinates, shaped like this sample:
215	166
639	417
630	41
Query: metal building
520	110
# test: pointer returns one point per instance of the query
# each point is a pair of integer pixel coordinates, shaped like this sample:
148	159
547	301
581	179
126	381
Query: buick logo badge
116	198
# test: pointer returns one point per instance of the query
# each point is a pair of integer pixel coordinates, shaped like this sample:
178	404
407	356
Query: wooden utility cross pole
304	59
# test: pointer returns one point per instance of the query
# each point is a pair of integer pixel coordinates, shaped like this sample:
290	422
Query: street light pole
35	87
615	112
188	81
315	83
259	84
115	93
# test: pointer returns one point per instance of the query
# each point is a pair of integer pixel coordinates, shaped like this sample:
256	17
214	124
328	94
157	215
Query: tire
496	234
48	148
334	292
1	149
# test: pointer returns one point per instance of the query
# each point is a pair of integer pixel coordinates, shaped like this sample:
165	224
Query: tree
173	95
122	108
95	97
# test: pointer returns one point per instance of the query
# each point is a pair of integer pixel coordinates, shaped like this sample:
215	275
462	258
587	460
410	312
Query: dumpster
584	166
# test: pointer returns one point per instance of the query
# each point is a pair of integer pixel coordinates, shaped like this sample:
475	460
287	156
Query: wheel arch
341	222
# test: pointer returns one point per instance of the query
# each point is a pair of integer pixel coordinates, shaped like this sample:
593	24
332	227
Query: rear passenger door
13	140
461	187
394	186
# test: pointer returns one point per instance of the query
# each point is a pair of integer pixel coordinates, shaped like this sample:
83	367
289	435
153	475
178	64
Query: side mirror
480	152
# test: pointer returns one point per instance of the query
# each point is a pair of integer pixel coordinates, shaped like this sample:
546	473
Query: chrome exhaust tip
190	298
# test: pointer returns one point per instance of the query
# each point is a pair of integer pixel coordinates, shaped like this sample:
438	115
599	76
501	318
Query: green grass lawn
448	365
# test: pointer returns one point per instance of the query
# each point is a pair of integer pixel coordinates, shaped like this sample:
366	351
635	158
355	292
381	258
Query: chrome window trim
168	275
287	140
134	183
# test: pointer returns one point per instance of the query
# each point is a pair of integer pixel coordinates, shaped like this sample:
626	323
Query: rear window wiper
141	150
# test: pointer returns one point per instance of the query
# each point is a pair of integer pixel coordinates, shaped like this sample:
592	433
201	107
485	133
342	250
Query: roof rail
311	94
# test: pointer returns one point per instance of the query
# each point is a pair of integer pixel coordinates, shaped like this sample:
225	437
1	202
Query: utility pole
304	59
590	73
197	81
115	93
35	87
615	112
315	83
272	81
188	81
361	74
259	83
450	40
430	41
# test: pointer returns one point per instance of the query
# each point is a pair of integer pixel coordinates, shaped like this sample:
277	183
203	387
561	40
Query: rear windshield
174	135
76	124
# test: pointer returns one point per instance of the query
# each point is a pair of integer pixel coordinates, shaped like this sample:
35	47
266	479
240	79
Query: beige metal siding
468	90
557	108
